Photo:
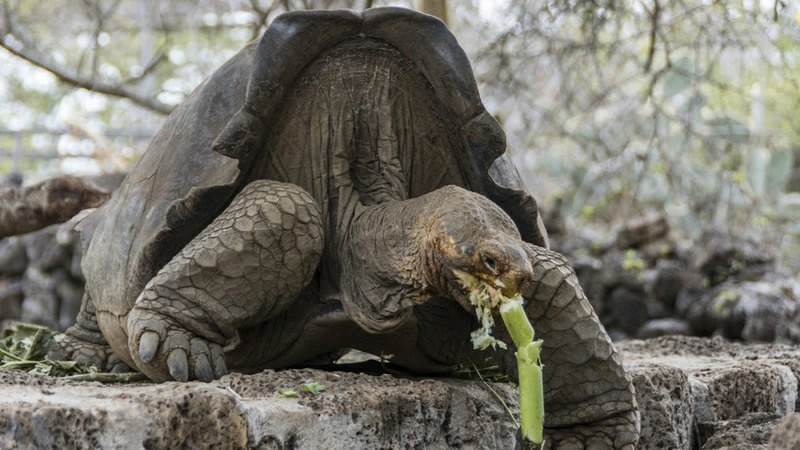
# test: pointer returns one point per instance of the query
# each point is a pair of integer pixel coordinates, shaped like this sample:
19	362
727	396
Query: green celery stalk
529	369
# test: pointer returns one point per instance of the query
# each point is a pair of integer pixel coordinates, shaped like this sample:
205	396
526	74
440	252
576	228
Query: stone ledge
693	393
245	411
711	394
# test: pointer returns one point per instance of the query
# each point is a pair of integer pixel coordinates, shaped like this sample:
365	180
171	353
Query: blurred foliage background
613	109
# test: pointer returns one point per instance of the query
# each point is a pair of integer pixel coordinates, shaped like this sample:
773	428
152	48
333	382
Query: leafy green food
24	346
310	387
313	387
287	393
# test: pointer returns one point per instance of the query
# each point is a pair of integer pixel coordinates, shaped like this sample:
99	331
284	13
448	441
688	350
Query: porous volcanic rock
246	411
693	393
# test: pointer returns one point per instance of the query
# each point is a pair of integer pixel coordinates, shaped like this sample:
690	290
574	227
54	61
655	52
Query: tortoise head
470	235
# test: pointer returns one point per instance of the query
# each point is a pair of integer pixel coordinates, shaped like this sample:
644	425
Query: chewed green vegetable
487	299
24	346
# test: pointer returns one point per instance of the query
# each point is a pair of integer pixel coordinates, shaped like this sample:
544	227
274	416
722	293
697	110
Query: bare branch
262	15
160	57
101	87
28	52
653	33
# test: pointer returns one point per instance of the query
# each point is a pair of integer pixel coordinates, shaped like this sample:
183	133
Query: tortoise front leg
246	267
589	399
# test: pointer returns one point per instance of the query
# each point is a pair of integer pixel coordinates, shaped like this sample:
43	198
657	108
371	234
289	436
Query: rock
50	294
751	311
670	280
728	390
666	406
41	303
722	257
46	264
245	411
12	179
663	327
11	297
642	230
693	393
13	257
37	243
786	434
40	412
731	385
750	432
627	308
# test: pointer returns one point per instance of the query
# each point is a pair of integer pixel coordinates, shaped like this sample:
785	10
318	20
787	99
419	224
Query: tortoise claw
148	345
178	365
174	353
218	358
200	360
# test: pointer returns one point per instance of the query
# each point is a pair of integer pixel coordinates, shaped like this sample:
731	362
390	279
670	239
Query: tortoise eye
490	263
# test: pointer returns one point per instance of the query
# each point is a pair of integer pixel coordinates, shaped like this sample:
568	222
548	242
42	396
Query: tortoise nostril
517	282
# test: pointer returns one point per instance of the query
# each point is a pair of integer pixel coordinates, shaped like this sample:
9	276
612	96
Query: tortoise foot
164	350
619	432
87	348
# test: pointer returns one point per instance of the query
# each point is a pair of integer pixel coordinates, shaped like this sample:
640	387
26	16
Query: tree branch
653	33
29	53
56	200
89	84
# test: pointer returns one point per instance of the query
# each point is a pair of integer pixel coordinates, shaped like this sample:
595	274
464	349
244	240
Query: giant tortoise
316	194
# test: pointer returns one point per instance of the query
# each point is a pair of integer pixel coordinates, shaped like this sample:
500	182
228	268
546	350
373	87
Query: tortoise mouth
463	285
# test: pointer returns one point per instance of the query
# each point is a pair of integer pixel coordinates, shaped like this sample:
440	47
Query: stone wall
693	393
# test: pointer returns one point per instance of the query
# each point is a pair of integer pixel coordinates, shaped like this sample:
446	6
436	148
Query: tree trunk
436	8
56	200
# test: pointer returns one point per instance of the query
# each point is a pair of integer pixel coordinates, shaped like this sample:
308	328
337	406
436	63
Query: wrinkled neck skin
386	263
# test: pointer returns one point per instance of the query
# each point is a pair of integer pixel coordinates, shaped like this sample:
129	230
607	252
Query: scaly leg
589	399
246	267
85	344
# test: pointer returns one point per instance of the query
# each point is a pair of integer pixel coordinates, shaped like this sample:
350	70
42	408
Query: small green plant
287	393
633	263
312	387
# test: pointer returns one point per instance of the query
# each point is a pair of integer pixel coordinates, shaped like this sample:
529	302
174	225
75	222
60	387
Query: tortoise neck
390	238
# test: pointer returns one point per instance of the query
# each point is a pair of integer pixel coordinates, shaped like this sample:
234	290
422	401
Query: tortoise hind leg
85	344
245	268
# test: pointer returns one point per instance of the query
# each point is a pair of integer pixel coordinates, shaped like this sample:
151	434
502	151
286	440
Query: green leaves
24	347
313	387
310	387
287	393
